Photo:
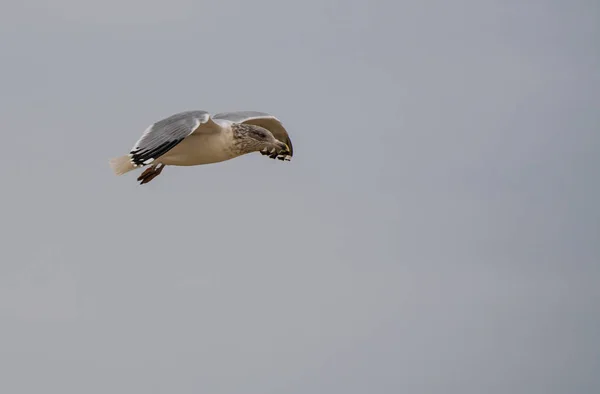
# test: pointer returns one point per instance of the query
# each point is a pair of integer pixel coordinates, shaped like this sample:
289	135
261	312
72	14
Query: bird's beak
284	147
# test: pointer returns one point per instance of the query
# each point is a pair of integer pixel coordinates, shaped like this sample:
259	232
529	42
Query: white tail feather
121	165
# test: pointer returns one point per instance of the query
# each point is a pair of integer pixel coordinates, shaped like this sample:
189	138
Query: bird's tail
121	165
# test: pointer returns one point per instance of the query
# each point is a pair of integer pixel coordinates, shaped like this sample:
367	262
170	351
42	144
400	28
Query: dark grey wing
162	136
261	119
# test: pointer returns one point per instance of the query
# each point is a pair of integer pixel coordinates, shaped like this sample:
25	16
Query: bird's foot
150	173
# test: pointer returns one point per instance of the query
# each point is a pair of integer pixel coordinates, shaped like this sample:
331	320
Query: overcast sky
437	230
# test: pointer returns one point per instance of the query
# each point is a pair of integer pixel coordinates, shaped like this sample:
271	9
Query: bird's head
252	138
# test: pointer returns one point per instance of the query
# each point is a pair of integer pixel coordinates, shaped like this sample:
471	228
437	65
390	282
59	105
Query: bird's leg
150	173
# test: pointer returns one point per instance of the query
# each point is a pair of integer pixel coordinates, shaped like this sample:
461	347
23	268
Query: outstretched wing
261	119
162	136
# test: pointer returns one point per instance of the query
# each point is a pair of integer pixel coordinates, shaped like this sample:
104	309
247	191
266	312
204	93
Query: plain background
437	231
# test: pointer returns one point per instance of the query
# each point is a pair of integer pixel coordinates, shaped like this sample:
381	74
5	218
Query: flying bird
193	138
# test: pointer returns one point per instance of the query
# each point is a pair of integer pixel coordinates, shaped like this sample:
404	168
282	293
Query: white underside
200	148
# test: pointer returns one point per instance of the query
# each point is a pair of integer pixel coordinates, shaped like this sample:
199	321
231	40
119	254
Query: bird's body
195	138
207	147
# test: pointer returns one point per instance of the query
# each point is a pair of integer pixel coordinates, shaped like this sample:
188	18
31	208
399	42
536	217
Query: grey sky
436	232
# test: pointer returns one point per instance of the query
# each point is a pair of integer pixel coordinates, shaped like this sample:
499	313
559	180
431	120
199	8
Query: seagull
193	138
